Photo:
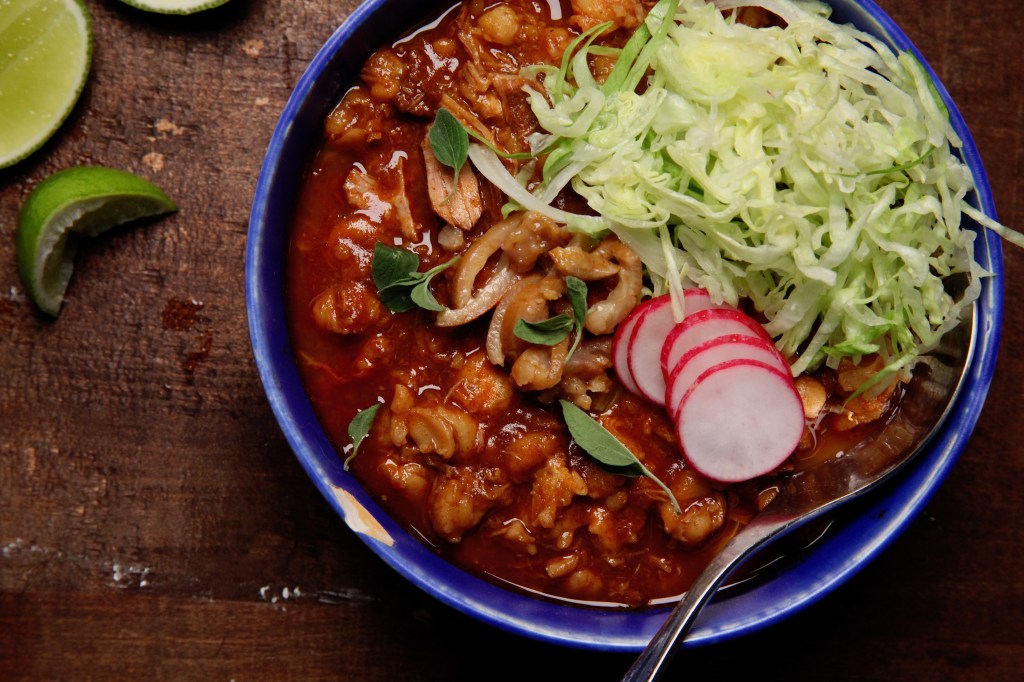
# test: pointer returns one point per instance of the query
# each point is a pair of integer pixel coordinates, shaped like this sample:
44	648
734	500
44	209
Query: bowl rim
865	530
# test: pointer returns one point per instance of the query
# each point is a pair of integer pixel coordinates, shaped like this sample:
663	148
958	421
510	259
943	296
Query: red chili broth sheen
343	374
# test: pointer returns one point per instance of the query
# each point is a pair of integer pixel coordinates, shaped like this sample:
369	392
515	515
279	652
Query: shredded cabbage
807	168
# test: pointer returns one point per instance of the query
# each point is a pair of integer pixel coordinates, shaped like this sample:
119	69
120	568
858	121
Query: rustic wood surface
154	524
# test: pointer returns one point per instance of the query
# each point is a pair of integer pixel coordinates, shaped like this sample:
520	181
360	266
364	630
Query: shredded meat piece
540	367
374	200
366	195
554	487
535	367
534	236
467	118
585	378
527	452
461	208
528	300
703	509
698	522
611	257
518	535
868	406
460	496
614	531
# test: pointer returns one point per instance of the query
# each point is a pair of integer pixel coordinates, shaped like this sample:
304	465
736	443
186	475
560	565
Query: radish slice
740	420
715	352
648	338
620	346
706	325
696	300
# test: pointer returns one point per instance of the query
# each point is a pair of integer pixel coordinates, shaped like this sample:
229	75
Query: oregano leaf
391	265
546	332
401	286
422	296
449	141
359	428
602	445
577	290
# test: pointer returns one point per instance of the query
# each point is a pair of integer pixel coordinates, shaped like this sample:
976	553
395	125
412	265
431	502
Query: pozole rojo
554	264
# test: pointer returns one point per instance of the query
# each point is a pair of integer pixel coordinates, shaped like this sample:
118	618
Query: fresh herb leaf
552	330
453	145
577	289
450	142
358	429
391	264
402	287
546	332
397	299
600	444
422	296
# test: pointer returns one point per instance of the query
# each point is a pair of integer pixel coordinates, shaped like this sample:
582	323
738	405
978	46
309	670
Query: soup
469	447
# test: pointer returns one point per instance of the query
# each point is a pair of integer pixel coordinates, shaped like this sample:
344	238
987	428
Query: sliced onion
485	299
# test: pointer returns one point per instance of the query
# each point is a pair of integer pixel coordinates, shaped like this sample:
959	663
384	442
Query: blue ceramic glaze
858	534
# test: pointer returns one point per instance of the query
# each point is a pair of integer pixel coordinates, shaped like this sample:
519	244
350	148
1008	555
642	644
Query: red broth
480	470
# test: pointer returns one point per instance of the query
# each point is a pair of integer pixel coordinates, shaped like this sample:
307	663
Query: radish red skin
620	347
645	346
703	357
719	321
696	300
740	420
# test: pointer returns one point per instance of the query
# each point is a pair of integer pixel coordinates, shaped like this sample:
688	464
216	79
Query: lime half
45	49
173	6
78	202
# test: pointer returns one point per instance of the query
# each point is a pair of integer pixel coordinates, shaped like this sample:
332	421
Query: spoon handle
652	662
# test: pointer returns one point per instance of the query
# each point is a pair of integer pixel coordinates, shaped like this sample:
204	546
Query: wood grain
154	525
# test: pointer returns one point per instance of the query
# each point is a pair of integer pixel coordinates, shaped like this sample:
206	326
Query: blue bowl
855	538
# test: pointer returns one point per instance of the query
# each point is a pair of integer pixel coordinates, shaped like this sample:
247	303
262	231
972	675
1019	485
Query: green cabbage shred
807	168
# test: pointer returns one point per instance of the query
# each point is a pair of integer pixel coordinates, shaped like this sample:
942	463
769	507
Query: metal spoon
808	494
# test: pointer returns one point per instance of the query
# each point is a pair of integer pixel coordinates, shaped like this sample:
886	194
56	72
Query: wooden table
154	524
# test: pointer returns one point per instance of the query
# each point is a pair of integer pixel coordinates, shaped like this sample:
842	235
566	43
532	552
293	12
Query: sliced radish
715	352
696	300
648	338
620	344
739	420
706	325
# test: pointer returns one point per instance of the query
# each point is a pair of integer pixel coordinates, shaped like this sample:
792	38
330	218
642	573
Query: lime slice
81	201
45	49
174	6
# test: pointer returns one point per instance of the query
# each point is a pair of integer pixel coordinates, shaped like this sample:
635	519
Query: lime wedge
45	49
78	202
174	6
